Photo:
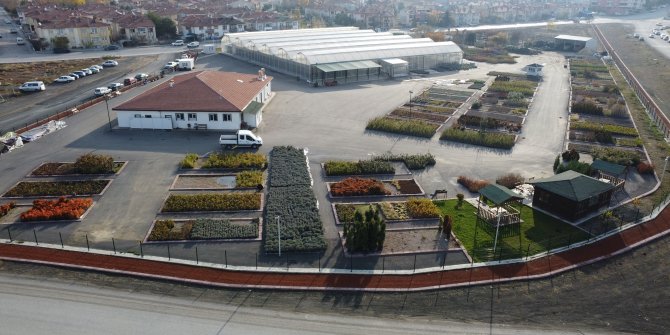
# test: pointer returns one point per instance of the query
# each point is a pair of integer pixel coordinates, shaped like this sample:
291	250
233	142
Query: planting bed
413	127
204	229
413	209
226	161
371	187
482	138
245	179
57	210
68	168
363	167
416	240
212	202
57	188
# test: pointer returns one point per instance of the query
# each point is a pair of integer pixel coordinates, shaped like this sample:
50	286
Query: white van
32	86
20	41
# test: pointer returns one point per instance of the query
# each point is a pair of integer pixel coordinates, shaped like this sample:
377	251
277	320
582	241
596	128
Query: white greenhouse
328	56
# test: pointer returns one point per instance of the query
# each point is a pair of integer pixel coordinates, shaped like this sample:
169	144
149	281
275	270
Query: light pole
665	166
109	118
278	233
410	102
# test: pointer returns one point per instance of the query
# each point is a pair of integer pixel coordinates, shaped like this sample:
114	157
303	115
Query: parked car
141	76
64	79
178	43
13	30
171	65
129	81
99	67
115	86
73	75
80	73
93	70
87	71
193	44
110	63
651	36
100	91
20	41
32	86
112	47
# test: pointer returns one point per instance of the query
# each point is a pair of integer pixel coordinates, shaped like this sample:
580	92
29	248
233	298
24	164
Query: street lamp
665	166
278	233
410	102
109	118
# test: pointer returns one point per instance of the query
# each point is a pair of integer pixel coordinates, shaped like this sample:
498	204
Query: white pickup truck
241	138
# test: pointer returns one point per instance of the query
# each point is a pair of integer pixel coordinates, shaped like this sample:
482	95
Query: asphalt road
57	307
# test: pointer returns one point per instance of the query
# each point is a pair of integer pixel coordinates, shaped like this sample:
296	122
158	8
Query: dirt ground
415	240
15	74
629	293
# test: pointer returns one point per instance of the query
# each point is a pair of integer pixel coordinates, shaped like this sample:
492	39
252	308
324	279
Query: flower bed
405	127
609	128
245	160
422	208
407	186
473	185
358	187
61	209
57	188
249	178
493	140
64	169
290	197
207	229
164	230
362	167
525	87
212	202
5	208
394	211
420	115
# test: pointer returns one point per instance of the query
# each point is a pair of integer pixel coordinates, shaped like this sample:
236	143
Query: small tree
445	223
570	155
460	197
61	42
557	162
367	232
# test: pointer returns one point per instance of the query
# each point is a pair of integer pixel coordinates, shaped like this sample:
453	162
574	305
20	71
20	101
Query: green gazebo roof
573	185
499	194
607	167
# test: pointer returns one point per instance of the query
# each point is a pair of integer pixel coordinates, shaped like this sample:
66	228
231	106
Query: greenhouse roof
377	52
293	51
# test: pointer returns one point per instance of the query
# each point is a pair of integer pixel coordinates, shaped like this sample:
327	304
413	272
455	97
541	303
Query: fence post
61	240
197	259
114	245
35	234
169	256
414	269
225	256
351	263
9	231
141	250
256	261
88	247
286	262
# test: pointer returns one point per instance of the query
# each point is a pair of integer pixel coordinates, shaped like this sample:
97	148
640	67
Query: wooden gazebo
500	213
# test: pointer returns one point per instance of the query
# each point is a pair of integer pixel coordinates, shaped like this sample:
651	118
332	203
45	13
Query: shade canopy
499	194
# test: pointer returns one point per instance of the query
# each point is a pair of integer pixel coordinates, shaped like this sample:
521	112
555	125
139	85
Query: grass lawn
536	234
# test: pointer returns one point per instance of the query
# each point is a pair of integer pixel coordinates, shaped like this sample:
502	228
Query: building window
137	116
147	116
192	116
94	30
213	117
132	30
227	117
179	116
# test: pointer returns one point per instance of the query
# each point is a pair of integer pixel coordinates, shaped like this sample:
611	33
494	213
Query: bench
434	195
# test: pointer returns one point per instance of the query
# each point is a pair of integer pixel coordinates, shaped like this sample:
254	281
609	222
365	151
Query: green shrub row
249	178
525	87
207	229
413	162
492	140
212	202
618	156
289	167
189	161
362	167
610	128
245	160
405	127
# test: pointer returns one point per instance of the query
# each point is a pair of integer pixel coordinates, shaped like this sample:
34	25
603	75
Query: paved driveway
330	122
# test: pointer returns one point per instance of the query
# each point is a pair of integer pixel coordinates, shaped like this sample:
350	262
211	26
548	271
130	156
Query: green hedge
493	140
189	161
249	178
289	167
245	160
405	127
342	168
413	162
212	202
610	128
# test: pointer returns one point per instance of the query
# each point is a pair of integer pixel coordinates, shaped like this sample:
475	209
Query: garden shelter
500	213
571	195
612	173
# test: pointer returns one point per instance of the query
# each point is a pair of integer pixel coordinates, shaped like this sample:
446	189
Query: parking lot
330	122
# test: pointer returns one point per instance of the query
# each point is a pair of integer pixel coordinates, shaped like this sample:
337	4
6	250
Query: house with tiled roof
81	32
209	27
199	100
136	27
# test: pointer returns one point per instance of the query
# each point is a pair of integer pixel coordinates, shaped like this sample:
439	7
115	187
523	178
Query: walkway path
340	280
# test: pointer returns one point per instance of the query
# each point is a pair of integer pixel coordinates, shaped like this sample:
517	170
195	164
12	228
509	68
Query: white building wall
178	120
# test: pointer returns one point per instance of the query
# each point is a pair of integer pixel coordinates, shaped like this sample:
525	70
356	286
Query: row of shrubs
413	162
358	187
203	229
487	139
405	127
473	185
291	199
609	128
57	188
212	202
251	178
244	160
5	208
362	167
366	232
61	209
85	164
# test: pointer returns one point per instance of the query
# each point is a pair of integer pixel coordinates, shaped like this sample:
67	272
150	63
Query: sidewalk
310	279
